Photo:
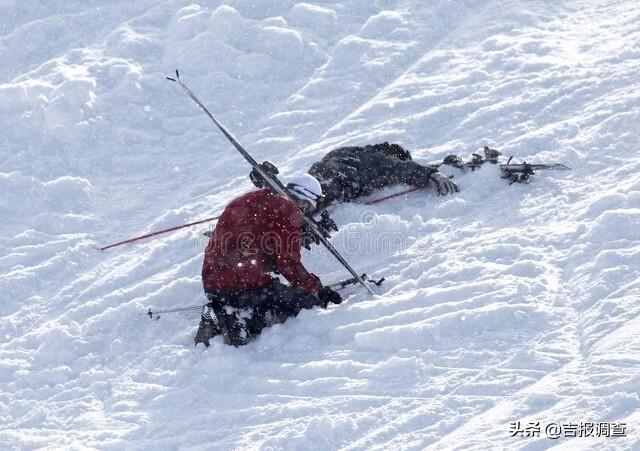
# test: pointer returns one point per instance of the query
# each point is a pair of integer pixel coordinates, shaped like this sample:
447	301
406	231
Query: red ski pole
171	229
391	196
158	232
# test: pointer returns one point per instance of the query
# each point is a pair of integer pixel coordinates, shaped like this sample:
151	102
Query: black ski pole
343	283
272	181
183	309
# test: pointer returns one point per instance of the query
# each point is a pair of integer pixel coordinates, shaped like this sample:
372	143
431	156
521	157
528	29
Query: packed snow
501	304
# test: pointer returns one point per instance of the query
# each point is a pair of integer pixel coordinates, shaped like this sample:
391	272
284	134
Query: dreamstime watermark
365	237
568	430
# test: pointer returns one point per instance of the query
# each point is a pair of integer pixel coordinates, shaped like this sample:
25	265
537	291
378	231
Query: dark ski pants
241	316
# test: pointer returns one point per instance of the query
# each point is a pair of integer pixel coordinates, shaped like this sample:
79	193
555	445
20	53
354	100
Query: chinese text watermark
569	430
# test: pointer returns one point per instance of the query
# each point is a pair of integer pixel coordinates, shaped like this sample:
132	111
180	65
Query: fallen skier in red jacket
258	234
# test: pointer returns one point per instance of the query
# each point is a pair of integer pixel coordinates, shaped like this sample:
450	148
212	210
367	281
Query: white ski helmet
305	187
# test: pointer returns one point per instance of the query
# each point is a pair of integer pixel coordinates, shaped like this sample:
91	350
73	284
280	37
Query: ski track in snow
502	303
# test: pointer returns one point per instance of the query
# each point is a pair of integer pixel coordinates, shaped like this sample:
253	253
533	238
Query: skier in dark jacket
259	233
350	172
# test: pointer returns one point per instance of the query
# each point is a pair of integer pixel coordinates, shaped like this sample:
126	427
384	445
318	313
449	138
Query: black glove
327	295
325	225
307	237
444	185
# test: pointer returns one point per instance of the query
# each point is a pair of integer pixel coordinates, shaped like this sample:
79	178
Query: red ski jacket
258	233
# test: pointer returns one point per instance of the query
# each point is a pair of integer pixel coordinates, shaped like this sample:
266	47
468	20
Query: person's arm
414	174
411	173
287	251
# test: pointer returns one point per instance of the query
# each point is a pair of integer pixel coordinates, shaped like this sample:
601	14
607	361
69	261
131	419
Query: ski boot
453	160
491	155
234	325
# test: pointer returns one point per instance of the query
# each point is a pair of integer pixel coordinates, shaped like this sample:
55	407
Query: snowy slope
502	303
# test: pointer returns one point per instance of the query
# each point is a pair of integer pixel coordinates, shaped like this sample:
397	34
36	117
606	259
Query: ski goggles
304	193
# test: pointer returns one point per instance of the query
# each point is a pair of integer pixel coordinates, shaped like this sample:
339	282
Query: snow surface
502	303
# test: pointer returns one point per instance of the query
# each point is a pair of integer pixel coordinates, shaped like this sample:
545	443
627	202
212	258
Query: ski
271	180
514	172
520	166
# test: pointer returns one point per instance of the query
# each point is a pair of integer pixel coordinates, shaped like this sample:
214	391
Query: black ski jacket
350	172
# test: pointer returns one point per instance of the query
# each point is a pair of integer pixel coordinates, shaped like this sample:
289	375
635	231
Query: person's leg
235	327
242	316
287	300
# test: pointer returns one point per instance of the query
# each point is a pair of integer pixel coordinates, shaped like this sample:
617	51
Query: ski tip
171	79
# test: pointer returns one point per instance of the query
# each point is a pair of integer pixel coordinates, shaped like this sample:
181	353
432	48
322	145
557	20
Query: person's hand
307	237
327	295
443	184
